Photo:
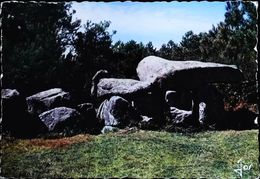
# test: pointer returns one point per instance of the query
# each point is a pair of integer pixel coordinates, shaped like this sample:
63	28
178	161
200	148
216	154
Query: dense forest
44	48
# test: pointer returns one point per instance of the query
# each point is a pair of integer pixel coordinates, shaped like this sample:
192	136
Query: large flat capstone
174	75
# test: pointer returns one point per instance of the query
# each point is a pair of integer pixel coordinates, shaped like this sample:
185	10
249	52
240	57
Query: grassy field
133	154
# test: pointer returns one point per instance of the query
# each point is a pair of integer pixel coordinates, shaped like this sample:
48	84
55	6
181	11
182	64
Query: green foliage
230	42
241	25
128	55
91	51
190	46
171	51
142	154
35	59
34	38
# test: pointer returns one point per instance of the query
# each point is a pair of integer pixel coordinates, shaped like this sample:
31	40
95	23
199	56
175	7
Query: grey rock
108	129
180	117
143	94
211	105
182	81
207	107
107	87
183	118
9	93
156	73
202	112
47	100
117	112
256	121
176	75
99	75
60	119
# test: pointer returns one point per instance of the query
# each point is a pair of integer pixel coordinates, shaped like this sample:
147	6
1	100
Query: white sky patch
155	22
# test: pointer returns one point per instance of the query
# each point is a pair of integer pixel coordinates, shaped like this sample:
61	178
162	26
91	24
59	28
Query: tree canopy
44	48
230	42
34	38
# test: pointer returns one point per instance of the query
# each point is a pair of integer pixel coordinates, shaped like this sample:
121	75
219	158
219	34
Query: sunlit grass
138	154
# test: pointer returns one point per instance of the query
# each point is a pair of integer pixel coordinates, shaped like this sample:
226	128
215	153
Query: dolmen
169	93
179	75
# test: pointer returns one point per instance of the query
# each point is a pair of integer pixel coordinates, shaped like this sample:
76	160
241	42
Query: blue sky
157	22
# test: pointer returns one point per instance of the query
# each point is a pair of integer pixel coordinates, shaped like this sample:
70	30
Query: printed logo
242	168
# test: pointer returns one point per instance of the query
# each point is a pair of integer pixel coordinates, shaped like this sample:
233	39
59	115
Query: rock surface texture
211	105
108	87
180	117
61	118
9	93
168	95
155	73
95	80
118	112
176	75
47	100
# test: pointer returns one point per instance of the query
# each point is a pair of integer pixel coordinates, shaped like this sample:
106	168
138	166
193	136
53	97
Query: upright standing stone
118	112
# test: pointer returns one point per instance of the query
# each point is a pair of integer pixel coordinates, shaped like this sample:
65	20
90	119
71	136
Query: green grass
143	154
